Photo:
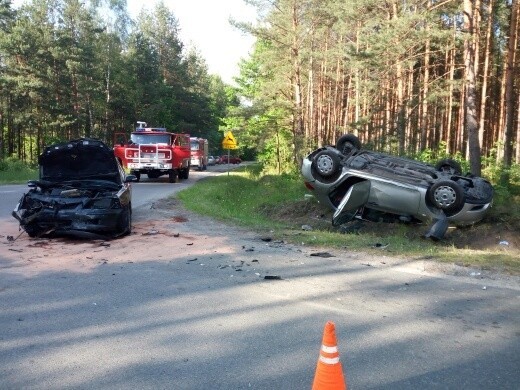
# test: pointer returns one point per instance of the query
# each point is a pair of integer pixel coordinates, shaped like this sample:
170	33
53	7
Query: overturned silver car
82	191
350	180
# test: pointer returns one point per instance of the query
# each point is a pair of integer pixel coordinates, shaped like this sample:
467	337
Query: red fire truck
199	153
154	151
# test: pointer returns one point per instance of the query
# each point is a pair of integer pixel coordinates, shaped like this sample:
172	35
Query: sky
204	24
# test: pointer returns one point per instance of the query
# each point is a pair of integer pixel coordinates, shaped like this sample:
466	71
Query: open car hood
79	159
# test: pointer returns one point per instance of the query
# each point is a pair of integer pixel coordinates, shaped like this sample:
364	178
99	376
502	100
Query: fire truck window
194	145
144	139
184	141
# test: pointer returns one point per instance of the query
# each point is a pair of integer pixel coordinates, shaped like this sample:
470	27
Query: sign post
229	142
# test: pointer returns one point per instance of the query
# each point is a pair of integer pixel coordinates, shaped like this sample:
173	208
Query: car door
356	197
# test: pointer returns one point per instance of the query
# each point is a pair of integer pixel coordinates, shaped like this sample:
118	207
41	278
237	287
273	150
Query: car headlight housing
105	203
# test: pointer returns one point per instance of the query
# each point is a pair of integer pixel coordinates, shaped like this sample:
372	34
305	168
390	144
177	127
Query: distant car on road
232	160
212	160
348	180
82	191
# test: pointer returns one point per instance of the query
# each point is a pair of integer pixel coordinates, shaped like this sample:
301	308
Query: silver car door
356	196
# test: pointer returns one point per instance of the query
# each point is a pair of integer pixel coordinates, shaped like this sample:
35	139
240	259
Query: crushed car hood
83	158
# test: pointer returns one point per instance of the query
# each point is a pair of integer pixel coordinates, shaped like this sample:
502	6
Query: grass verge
277	205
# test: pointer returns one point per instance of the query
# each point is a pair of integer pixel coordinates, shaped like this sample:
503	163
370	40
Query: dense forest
423	78
73	69
408	77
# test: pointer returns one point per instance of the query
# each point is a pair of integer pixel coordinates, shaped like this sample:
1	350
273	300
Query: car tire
348	143
172	176
128	230
447	195
326	164
449	165
125	223
32	231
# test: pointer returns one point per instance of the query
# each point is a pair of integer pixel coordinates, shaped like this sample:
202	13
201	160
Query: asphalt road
201	315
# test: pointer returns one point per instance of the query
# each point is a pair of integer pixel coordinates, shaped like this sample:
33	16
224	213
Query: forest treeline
70	69
406	76
423	78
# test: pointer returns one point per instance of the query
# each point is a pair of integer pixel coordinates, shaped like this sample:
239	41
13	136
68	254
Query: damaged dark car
351	181
82	191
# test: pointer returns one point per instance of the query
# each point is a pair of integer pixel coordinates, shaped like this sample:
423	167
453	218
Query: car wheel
326	163
449	165
32	231
447	195
348	143
129	221
172	176
125	222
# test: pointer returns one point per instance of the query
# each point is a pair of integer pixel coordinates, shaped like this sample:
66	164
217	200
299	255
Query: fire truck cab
199	153
155	152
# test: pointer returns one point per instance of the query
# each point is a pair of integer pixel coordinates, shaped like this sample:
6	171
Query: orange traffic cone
329	374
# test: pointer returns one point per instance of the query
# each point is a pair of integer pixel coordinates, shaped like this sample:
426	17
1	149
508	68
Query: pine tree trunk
470	95
483	97
509	92
426	81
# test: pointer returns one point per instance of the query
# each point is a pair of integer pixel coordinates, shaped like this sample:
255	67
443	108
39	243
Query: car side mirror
32	184
130	178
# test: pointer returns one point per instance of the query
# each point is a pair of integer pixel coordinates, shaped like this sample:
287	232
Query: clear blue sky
205	25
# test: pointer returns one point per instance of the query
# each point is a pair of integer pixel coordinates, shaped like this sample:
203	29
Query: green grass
14	171
277	204
238	197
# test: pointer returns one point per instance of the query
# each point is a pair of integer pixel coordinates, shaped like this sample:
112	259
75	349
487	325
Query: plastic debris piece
306	227
322	254
503	242
272	277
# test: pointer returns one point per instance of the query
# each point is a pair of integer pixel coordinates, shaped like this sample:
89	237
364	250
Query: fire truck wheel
172	176
185	173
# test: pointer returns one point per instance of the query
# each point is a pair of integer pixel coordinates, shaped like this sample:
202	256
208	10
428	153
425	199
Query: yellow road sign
229	141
